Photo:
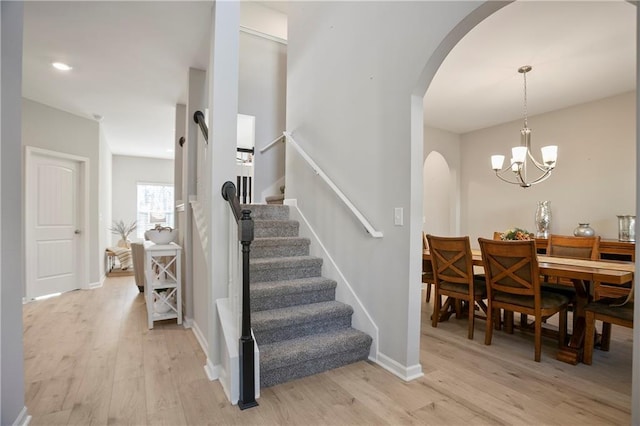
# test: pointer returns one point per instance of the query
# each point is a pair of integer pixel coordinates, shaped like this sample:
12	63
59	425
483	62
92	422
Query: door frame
82	271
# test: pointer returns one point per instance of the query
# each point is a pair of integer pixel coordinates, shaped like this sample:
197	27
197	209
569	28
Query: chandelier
521	155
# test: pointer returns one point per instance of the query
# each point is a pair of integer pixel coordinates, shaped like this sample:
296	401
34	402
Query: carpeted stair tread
284	293
278	325
284	268
279	246
267	211
295	315
300	357
275	228
279	262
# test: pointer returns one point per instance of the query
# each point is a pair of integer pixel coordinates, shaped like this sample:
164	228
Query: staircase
298	325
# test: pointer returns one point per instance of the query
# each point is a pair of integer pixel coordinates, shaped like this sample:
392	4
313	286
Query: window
155	206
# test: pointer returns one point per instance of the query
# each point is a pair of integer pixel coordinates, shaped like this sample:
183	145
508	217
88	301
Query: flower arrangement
120	228
516	234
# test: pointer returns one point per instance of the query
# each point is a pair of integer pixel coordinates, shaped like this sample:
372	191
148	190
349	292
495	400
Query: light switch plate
398	216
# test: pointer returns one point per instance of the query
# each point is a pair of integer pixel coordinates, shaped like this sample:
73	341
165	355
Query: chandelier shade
521	157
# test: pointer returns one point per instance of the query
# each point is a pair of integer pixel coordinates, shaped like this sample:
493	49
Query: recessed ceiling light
61	66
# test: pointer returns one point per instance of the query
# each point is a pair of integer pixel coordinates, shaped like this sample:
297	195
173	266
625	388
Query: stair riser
270	212
279	274
284	250
310	367
296	299
271	230
292	331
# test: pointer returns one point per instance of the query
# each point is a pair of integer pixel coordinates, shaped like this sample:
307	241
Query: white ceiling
131	62
579	50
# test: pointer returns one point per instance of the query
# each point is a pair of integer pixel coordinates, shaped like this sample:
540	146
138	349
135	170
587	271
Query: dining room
592	180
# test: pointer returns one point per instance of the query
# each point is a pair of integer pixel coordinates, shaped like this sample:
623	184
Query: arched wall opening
437	195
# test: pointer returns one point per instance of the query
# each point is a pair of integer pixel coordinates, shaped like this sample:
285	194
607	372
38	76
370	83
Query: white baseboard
200	337
213	371
187	322
23	418
405	373
94	285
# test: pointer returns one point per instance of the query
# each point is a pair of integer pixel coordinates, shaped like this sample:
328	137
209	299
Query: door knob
77	231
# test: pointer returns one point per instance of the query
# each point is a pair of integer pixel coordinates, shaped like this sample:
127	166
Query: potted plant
122	229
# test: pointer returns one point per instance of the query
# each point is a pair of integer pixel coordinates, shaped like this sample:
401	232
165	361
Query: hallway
90	359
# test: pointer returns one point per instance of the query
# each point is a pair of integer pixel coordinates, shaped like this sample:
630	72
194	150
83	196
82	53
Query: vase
627	228
543	219
124	243
584	230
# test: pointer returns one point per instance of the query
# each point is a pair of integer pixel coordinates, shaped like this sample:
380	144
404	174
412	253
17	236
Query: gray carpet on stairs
285	293
299	327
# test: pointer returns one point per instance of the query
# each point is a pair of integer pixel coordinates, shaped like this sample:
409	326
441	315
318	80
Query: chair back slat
575	247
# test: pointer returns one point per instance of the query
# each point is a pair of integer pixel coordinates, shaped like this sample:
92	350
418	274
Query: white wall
105	192
12	409
354	70
594	180
127	173
261	93
56	130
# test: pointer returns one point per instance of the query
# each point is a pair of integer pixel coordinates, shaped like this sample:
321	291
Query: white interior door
53	217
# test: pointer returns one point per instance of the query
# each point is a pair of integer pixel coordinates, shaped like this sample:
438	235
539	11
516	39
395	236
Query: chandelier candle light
520	155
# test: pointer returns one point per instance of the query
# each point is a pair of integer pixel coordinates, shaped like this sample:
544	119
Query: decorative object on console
584	230
627	228
161	234
522	154
514	234
120	228
543	219
163	301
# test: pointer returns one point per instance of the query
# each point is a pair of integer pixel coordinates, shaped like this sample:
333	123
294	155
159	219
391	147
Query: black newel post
247	357
247	397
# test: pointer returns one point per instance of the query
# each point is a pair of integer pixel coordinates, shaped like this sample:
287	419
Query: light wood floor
89	359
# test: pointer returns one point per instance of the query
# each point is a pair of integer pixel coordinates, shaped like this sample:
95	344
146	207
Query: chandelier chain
524	74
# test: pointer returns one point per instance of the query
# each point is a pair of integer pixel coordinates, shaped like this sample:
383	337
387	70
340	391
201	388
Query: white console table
163	289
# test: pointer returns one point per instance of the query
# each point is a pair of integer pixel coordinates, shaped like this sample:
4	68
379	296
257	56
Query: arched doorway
437	195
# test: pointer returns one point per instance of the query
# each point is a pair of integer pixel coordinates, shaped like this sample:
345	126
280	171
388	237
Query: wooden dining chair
427	269
609	311
453	276
573	247
513	284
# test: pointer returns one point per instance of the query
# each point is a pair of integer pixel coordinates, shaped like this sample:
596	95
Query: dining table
584	275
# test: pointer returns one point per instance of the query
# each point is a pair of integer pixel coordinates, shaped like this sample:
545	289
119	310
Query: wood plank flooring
90	360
